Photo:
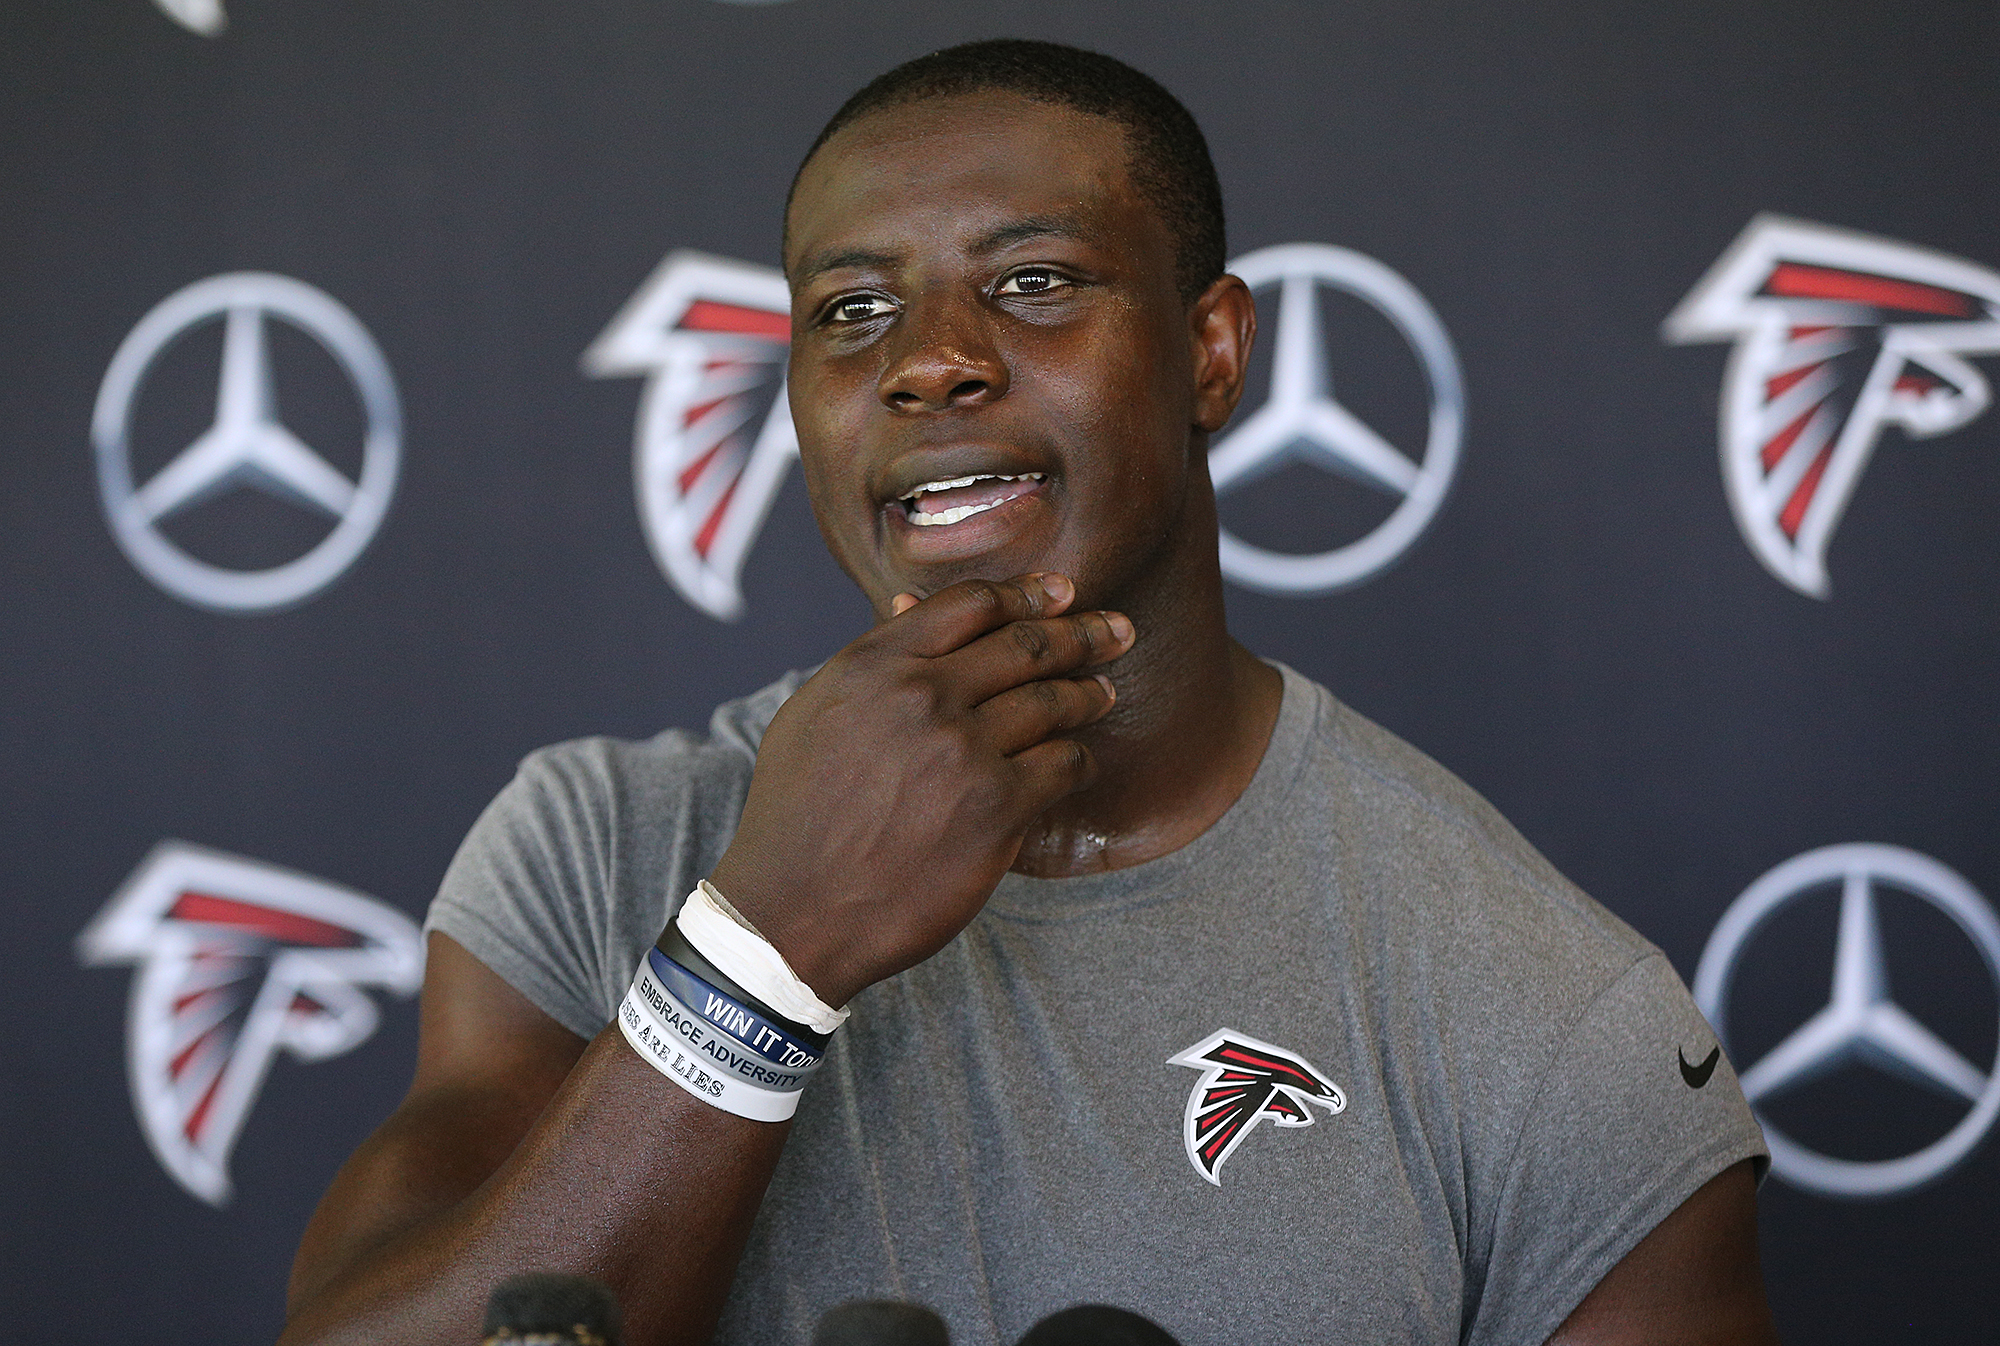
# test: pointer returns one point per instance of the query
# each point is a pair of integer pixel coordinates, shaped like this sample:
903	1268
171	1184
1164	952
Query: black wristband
674	945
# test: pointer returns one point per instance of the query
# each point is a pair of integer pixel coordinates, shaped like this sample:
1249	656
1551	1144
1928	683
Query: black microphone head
544	1308
880	1322
1096	1325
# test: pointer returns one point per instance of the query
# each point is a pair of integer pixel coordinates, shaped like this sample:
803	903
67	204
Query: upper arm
1614	1140
1693	1280
488	1062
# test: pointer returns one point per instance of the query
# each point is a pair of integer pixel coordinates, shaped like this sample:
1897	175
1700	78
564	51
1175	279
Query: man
1070	854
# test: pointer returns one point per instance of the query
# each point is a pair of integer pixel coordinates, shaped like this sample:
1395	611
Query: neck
1194	714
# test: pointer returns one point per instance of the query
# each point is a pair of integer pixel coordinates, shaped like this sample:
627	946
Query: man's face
983	304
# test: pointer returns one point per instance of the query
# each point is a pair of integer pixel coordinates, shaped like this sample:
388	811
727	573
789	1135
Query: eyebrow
1033	227
996	240
814	267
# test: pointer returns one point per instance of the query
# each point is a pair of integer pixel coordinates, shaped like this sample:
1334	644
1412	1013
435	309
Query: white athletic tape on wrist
739	953
679	1045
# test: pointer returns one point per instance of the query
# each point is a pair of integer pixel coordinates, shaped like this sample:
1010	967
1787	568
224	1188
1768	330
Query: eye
857	308
1032	280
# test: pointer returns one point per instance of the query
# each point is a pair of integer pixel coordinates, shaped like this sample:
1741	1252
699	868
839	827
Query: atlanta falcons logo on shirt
1243	1082
715	438
237	959
1838	336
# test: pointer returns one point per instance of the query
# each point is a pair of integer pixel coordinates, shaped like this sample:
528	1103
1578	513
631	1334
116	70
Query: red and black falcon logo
1838	337
1243	1082
238	960
715	439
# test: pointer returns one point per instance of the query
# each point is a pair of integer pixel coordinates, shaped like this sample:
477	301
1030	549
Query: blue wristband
784	1045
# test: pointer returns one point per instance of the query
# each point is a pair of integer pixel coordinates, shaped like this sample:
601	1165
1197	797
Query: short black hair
1169	160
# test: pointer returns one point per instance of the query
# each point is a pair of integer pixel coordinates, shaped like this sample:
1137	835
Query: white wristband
739	953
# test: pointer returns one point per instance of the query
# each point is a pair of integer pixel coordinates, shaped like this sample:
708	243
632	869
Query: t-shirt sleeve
1618	1134
521	893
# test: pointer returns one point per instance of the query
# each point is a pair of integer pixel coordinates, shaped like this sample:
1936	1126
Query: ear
1222	325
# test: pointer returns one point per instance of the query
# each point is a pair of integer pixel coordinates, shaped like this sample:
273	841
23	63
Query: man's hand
893	789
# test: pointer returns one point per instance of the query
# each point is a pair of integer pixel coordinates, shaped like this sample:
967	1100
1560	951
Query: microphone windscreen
880	1322
551	1309
1096	1325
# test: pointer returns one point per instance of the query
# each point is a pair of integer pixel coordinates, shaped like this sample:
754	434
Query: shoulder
576	863
1484	967
1437	859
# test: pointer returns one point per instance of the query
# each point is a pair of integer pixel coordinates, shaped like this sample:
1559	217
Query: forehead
954	168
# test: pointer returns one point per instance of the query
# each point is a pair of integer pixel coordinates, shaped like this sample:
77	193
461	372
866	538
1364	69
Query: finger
1030	651
1019	719
953	616
1048	771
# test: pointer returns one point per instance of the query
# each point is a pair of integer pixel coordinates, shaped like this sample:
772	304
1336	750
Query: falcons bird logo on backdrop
237	959
715	435
1838	336
1243	1082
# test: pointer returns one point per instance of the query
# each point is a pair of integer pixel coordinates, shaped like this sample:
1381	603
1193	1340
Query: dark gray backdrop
1582	632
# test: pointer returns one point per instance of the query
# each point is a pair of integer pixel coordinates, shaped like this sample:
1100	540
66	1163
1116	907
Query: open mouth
939	504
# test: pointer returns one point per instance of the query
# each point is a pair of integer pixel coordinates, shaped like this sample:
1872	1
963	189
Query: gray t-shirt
1002	1132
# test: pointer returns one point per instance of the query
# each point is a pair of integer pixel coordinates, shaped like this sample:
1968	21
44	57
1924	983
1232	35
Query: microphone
880	1322
544	1308
1096	1325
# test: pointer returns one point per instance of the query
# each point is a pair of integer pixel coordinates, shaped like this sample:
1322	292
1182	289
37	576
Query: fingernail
1120	624
1058	587
1105	683
901	604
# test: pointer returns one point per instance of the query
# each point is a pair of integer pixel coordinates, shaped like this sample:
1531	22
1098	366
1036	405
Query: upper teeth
957	482
957	512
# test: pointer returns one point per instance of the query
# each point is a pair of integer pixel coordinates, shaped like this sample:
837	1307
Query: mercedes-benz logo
247	445
1303	420
1861	1023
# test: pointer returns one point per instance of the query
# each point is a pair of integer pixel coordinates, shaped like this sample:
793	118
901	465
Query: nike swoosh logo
1697	1076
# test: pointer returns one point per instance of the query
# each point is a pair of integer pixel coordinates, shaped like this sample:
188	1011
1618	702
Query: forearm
624	1177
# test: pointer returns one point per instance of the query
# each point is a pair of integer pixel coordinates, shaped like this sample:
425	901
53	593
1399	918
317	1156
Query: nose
943	358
